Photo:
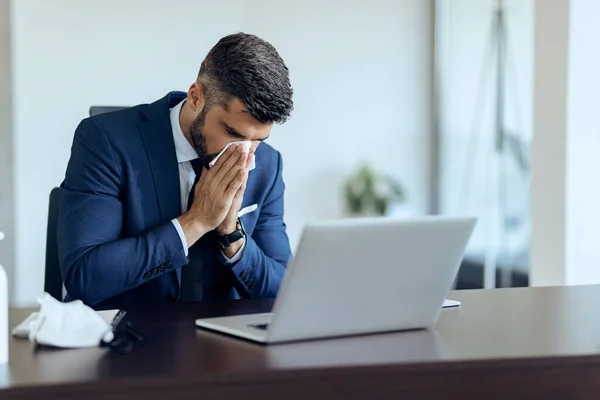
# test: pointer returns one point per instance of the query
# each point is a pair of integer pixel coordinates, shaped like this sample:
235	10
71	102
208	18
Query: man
145	219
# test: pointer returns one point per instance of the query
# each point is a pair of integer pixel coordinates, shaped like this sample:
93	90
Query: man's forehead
236	117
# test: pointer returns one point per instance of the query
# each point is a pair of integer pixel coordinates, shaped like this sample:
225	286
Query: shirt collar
184	150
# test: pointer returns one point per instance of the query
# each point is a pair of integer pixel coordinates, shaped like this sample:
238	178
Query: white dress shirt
185	154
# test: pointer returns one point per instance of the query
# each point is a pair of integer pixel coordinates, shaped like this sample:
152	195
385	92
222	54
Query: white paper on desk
247	145
22	330
68	325
451	303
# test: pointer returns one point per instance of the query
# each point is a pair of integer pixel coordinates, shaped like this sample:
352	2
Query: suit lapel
157	135
160	149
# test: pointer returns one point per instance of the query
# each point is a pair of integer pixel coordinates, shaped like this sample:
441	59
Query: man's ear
196	98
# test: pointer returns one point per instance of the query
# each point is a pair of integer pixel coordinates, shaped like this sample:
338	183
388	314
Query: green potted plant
368	192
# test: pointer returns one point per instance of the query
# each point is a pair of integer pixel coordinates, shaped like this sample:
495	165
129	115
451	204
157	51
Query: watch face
241	226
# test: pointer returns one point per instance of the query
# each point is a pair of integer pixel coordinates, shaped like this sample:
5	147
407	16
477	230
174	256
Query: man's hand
229	224
214	194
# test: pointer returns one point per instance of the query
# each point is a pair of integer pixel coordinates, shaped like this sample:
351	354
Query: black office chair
53	282
96	110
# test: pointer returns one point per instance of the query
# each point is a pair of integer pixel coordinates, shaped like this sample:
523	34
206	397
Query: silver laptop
360	276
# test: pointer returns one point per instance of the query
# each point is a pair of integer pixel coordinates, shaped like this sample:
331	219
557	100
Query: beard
199	138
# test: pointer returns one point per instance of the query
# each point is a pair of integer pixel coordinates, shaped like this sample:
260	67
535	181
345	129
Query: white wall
6	144
567	143
583	148
362	77
361	71
548	185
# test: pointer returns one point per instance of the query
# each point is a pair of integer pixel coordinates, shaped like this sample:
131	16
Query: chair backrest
96	110
53	282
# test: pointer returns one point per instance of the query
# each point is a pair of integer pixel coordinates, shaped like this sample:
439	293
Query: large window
484	55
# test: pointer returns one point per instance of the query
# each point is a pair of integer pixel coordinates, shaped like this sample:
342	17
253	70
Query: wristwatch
226	240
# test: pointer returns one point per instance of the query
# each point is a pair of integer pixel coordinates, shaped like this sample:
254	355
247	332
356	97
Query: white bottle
3	314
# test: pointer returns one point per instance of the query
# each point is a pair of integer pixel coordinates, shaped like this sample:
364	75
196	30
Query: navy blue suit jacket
117	245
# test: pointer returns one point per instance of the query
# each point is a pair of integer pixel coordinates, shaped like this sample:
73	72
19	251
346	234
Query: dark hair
249	68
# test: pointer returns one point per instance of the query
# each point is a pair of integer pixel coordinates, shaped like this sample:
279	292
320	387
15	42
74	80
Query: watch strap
226	240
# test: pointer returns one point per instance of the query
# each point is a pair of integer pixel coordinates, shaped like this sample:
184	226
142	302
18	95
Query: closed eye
234	133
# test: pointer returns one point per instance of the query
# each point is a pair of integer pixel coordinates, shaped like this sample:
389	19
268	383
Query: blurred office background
484	98
401	94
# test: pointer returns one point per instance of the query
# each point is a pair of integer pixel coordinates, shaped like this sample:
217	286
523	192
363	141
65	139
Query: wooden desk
540	342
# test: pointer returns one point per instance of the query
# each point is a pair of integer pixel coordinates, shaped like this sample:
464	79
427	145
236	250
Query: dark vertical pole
434	175
500	70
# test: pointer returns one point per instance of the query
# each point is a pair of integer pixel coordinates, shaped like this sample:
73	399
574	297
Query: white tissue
68	325
247	145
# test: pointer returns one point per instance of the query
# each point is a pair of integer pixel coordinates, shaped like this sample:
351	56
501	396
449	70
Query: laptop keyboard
260	326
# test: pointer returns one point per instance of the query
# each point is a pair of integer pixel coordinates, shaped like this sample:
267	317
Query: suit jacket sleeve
258	274
96	262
